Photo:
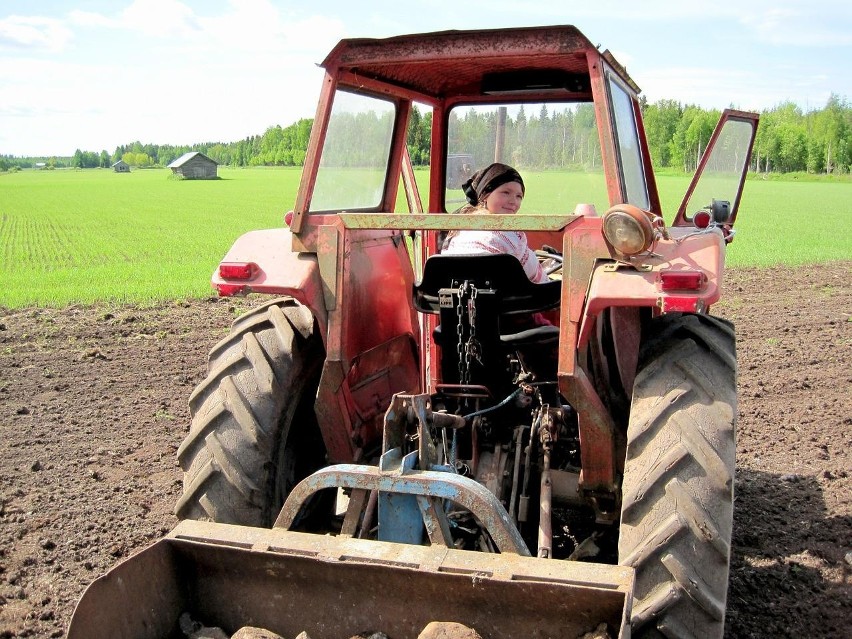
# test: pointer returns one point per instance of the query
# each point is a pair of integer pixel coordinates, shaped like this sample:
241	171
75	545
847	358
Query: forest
788	140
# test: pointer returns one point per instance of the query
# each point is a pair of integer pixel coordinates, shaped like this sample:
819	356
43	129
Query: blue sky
92	74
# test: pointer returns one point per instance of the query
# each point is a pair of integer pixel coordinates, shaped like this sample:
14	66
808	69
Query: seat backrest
486	287
500	271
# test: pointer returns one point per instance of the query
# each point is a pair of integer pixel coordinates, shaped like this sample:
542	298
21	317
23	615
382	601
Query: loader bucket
336	587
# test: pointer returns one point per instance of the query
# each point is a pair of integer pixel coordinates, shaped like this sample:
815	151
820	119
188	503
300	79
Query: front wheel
254	434
677	511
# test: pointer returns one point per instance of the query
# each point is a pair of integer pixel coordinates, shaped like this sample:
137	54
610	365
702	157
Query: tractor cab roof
445	64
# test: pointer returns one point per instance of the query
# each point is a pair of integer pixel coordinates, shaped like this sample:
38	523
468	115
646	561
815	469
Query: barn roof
186	157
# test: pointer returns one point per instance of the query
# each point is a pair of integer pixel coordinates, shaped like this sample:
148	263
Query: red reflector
681	304
682	280
237	270
702	219
229	290
288	218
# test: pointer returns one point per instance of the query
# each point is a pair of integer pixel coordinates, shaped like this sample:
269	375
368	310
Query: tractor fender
272	267
683	274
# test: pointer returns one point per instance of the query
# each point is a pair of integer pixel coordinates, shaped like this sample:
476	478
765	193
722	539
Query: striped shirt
511	242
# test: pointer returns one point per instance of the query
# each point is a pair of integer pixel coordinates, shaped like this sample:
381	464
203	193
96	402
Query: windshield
555	146
721	176
354	162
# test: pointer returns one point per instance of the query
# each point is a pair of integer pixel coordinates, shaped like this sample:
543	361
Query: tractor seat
486	303
503	272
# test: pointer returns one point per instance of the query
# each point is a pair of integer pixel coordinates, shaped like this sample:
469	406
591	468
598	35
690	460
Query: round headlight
628	229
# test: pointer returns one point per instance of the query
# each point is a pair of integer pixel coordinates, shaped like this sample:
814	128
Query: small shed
195	166
121	167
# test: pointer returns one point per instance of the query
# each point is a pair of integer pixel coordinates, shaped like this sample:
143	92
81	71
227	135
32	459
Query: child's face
505	199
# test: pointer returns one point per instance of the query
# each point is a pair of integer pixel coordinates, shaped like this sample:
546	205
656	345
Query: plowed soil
93	405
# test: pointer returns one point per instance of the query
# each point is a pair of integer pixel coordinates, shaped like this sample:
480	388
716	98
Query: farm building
121	167
195	166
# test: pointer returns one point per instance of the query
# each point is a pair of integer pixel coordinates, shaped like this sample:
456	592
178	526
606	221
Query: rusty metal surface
309	170
371	343
328	239
281	271
445	222
583	246
140	598
452	62
626	329
686	250
230	576
463	491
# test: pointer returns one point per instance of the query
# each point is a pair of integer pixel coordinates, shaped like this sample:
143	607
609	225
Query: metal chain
468	349
464	372
473	348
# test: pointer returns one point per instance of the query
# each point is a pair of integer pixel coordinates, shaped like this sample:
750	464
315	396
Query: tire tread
255	380
677	508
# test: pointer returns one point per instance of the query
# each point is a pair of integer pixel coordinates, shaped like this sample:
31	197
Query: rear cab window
555	147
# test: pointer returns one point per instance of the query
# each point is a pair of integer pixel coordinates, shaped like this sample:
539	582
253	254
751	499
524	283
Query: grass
91	236
792	223
87	236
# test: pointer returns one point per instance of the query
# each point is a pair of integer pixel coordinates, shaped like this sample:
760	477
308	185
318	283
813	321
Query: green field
85	236
88	236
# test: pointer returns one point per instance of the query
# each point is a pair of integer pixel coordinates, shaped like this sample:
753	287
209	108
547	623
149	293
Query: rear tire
677	510
254	434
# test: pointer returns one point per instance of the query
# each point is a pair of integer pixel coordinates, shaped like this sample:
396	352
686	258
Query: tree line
788	140
561	138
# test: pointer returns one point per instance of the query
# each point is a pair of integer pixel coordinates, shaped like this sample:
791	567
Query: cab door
716	188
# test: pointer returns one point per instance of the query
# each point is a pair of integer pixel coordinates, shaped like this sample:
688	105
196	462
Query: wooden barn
121	167
195	166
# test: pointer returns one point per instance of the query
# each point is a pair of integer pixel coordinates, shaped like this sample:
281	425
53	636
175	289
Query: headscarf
488	179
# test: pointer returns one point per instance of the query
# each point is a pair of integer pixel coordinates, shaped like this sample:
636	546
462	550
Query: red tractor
389	394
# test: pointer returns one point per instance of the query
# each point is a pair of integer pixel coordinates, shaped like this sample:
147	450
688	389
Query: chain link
464	373
473	349
468	349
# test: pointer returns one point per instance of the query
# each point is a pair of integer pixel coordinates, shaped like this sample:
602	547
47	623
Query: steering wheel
551	261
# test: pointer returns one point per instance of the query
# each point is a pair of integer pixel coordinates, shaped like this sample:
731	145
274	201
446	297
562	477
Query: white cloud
160	18
34	33
785	27
91	19
126	67
251	35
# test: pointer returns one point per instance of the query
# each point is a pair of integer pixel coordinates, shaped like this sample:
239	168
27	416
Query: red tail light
237	270
682	280
229	290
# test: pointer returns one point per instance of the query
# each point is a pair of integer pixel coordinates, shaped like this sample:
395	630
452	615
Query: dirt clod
103	430
601	632
448	630
251	632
